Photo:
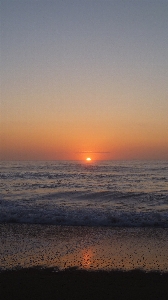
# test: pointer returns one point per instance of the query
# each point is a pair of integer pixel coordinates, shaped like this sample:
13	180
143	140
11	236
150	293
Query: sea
78	193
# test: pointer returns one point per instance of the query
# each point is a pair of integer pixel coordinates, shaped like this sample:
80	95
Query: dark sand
79	284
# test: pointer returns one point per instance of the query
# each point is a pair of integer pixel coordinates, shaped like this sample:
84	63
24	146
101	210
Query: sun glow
88	159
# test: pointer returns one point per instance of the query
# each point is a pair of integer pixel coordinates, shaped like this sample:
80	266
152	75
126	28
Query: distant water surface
106	193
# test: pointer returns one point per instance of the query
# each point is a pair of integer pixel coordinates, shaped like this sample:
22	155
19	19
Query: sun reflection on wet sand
84	248
87	256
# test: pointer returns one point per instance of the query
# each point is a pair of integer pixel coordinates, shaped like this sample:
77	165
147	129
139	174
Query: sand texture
88	248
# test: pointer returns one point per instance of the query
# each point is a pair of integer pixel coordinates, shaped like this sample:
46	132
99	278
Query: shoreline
36	283
63	263
87	248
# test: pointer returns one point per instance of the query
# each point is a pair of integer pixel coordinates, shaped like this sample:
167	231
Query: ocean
74	193
103	215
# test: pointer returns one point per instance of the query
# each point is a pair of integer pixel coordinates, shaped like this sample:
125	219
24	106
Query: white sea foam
83	214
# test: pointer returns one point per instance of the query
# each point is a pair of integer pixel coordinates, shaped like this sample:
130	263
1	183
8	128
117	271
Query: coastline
66	262
86	248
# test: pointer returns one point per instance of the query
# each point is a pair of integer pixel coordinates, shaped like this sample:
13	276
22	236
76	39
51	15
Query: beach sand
75	284
59	262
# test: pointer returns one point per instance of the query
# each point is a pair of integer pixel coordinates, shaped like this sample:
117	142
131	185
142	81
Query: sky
84	78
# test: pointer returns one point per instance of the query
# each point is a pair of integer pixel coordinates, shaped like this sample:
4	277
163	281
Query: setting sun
88	159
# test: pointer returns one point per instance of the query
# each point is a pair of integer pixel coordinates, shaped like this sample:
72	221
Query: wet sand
59	262
88	248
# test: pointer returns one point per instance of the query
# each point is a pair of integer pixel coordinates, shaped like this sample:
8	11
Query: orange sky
49	142
84	79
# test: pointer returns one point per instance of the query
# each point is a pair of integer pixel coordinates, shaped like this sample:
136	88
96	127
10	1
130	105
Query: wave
123	194
88	216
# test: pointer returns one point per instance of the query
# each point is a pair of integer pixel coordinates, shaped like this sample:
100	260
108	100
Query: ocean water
70	193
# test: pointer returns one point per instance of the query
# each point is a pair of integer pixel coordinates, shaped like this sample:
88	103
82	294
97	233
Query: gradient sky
84	78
